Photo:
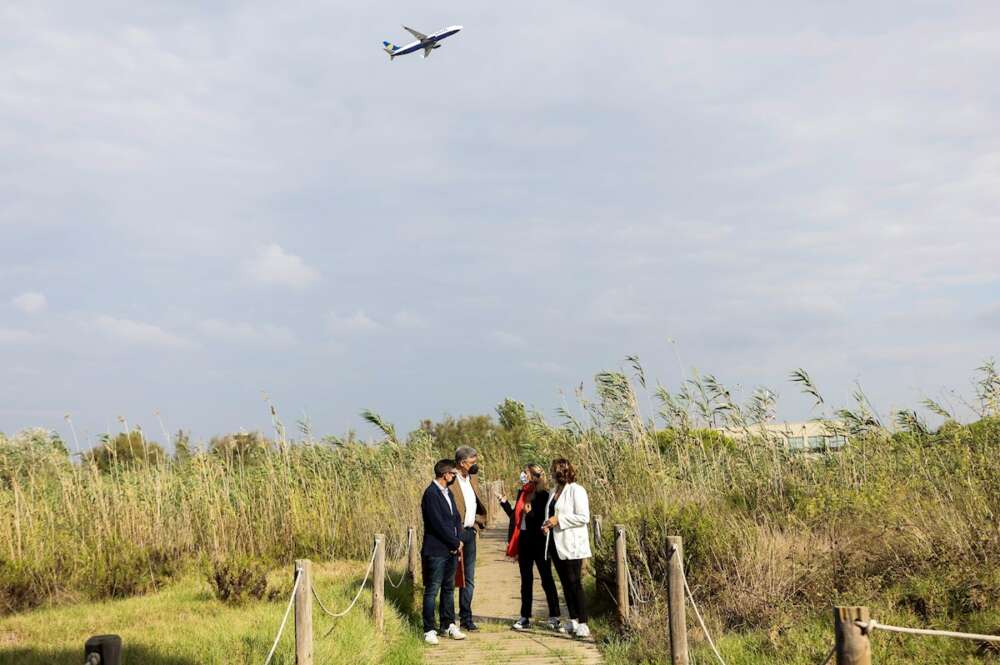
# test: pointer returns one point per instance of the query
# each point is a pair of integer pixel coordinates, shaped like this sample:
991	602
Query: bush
19	589
238	580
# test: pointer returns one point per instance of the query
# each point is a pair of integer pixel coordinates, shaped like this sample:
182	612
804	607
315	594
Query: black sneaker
521	624
471	627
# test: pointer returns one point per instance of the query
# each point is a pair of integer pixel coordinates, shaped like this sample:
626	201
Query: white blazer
572	535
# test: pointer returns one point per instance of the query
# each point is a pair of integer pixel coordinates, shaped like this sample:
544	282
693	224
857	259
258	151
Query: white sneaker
431	637
553	623
521	624
568	628
582	630
454	633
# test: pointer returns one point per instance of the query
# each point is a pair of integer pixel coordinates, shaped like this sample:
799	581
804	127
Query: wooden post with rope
851	643
621	575
675	602
412	556
378	584
303	613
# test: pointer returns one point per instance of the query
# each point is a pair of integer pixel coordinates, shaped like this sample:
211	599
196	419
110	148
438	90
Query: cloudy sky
201	201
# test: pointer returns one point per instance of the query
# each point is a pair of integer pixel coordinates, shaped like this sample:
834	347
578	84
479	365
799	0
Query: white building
802	436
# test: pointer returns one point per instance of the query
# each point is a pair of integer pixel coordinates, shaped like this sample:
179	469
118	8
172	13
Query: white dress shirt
465	484
447	497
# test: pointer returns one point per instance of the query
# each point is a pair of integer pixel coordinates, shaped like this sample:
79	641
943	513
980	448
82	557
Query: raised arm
507	508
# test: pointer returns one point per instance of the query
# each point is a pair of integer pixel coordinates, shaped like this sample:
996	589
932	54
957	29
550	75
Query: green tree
126	450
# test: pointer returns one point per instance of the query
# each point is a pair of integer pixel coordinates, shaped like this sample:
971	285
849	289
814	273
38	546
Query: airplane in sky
426	42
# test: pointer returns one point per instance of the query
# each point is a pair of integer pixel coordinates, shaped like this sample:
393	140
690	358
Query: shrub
237	580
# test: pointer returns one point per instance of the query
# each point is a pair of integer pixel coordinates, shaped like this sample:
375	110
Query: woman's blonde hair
536	470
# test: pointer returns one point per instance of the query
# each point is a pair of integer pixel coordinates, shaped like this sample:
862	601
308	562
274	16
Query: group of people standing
548	525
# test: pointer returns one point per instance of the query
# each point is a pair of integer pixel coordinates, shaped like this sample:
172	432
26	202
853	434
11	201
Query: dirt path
496	606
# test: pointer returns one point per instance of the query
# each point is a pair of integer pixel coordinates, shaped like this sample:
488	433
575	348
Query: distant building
804	436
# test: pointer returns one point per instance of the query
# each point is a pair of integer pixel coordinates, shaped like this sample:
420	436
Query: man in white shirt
473	515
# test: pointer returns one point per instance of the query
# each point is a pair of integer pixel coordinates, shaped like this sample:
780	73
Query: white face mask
524	478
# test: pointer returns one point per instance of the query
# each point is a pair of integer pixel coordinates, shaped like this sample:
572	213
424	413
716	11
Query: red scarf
526	491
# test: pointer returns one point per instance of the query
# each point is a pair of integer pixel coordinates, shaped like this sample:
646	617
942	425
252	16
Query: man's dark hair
443	467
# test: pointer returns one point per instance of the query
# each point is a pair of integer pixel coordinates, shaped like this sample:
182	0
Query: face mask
474	469
524	478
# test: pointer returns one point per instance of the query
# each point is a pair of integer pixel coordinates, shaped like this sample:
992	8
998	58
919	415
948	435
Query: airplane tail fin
390	49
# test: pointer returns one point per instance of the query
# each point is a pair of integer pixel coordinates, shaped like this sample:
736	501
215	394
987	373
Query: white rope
872	625
291	601
350	607
406	553
632	585
701	621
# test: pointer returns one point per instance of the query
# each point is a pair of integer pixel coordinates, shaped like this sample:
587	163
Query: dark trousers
439	585
531	555
468	538
570	573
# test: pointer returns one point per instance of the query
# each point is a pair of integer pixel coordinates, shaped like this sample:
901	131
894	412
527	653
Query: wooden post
852	645
493	491
490	500
413	557
675	602
598	523
622	575
378	584
303	613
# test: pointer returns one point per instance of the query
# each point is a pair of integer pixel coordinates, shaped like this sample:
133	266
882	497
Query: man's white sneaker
553	623
521	624
567	629
454	633
582	630
431	637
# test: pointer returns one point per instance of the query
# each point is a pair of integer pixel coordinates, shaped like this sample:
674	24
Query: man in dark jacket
439	554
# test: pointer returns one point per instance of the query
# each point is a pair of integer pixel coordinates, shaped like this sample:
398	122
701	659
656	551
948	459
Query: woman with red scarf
526	543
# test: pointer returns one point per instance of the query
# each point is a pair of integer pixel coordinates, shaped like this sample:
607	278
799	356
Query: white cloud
273	265
140	333
354	324
241	332
505	338
14	336
30	302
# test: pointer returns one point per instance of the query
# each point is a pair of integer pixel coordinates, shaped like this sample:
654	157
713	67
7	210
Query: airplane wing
427	50
417	35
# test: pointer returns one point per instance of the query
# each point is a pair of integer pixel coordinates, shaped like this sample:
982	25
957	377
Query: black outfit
531	553
571	577
438	555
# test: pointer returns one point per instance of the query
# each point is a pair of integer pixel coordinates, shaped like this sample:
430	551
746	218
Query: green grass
185	625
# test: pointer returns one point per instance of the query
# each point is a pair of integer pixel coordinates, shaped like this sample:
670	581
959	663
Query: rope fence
284	620
337	615
872	624
701	622
405	557
304	592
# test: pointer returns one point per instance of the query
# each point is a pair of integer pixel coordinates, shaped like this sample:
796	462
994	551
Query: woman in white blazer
568	541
